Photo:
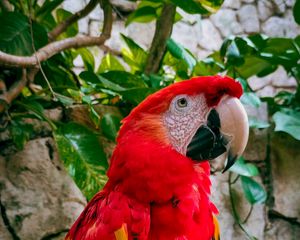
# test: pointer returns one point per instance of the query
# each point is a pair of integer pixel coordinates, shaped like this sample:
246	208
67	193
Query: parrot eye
182	102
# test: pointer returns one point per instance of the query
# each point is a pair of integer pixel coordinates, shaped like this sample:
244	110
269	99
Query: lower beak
226	131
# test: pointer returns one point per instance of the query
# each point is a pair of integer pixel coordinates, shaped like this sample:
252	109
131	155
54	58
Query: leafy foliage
15	37
253	191
288	120
83	156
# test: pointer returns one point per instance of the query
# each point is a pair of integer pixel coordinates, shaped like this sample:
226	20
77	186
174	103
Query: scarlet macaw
159	186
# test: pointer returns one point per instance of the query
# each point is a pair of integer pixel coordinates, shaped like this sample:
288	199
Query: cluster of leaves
122	82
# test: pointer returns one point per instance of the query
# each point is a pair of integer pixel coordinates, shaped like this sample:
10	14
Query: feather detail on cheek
150	125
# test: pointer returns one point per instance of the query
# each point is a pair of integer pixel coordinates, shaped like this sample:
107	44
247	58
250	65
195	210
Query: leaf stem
234	210
248	215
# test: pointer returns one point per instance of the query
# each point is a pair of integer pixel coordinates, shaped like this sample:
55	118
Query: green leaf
281	51
90	77
255	123
72	30
88	59
250	98
207	67
94	116
111	85
178	17
47	8
156	81
66	101
244	169
136	95
296	11
98	81
234	55
20	132
110	63
83	156
37	109
60	78
253	66
288	120
257	40
15	36
124	79
110	125
253	191
180	52
199	6
179	66
134	55
142	15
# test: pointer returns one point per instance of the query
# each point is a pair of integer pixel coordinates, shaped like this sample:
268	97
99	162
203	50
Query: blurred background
71	70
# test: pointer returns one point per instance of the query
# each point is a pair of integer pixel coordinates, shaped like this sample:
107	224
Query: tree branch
55	47
49	50
14	91
164	26
60	28
6	6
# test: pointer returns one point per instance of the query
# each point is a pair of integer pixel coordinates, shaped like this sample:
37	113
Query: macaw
159	185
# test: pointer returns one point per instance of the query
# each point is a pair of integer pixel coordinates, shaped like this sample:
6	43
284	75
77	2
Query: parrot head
201	118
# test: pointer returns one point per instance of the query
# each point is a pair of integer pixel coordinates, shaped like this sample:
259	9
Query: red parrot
159	186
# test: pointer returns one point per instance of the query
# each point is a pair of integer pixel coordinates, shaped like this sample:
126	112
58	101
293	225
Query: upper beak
226	130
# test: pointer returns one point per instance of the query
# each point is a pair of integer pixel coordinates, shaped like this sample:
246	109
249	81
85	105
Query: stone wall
38	200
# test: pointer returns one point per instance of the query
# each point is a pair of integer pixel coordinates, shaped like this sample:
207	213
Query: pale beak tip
230	161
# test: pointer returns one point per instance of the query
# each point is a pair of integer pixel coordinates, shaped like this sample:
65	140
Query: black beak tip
230	161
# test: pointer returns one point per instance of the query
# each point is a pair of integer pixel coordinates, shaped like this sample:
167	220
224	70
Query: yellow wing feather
122	234
217	229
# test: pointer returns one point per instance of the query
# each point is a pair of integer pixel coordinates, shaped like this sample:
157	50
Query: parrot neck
153	172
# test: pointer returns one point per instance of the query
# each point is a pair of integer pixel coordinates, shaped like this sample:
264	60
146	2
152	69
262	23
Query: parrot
159	184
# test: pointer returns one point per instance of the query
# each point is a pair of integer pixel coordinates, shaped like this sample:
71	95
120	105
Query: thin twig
60	28
53	48
163	31
248	215
34	51
235	180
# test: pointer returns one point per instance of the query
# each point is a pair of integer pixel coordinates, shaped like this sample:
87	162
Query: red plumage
158	192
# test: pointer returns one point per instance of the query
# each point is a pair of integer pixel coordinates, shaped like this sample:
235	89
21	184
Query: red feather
156	191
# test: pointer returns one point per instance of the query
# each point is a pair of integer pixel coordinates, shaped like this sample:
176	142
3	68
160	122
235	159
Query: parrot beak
226	131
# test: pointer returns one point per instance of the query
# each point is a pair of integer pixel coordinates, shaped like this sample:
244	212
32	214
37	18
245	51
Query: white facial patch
184	116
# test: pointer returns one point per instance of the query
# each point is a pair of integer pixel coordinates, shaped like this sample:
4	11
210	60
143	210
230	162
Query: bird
158	184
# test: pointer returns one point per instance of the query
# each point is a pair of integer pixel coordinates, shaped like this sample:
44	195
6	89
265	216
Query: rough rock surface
226	21
249	18
38	198
229	228
256	149
286	175
209	37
